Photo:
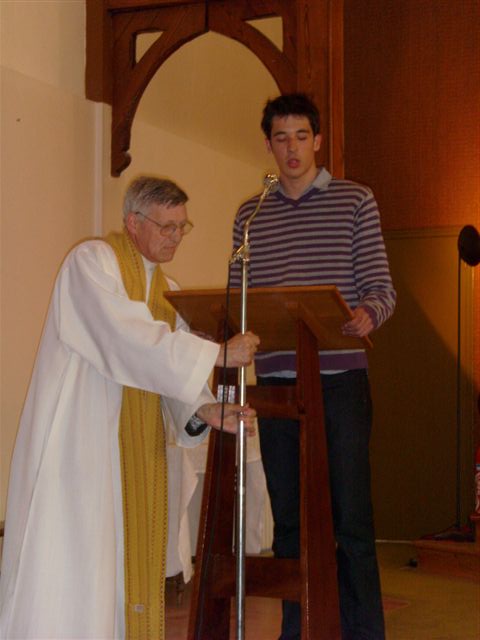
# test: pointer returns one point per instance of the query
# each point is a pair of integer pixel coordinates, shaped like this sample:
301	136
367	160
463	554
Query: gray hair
145	191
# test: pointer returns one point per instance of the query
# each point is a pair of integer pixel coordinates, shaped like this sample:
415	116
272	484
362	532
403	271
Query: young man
86	524
317	230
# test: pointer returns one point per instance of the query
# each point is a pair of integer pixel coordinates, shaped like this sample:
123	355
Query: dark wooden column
311	59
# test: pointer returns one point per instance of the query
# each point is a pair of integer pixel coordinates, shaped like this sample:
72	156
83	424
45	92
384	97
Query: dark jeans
347	407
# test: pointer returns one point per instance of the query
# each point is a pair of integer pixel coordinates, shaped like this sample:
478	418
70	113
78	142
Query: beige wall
187	99
47	147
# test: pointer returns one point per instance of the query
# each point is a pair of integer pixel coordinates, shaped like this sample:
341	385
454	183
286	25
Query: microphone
270	184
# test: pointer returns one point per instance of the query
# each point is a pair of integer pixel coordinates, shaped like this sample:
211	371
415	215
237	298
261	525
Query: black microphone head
469	245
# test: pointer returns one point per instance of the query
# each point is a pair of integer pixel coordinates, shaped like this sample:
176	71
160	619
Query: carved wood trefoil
311	59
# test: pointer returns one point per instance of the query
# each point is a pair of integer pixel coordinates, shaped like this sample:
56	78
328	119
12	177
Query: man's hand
212	415
360	325
240	350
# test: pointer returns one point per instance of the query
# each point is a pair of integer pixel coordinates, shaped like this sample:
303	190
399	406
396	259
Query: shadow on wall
413	373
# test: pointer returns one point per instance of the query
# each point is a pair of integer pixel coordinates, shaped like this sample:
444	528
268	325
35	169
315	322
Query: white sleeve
180	322
118	336
178	414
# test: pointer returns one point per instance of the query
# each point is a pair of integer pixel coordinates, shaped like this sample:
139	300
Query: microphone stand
242	254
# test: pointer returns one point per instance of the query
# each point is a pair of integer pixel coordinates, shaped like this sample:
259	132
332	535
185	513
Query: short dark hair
291	104
147	190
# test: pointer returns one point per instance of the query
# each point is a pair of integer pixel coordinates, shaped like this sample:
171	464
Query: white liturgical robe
62	569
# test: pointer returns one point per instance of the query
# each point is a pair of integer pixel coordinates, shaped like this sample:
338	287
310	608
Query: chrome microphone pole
242	254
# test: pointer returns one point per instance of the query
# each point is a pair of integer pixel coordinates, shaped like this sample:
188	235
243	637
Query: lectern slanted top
272	312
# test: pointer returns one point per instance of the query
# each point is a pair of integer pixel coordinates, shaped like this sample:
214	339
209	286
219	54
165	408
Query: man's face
147	235
293	146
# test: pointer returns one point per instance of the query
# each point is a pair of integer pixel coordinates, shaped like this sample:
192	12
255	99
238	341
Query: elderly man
84	553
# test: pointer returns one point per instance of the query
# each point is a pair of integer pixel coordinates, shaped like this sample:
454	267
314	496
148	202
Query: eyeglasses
170	228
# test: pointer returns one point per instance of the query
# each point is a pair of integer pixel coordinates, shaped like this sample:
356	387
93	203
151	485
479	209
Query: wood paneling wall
412	133
412	96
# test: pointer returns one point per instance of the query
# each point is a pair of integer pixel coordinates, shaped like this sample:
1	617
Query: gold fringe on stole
144	469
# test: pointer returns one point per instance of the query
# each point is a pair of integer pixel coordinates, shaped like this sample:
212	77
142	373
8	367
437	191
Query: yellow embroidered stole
144	468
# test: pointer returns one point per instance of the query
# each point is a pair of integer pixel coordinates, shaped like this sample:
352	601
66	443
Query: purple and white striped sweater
330	235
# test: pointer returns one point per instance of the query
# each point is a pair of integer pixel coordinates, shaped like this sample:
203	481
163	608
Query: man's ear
317	141
131	222
268	145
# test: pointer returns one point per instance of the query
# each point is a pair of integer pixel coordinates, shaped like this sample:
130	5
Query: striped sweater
330	235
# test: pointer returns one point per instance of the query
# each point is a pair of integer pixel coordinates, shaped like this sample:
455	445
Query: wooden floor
262	617
418	605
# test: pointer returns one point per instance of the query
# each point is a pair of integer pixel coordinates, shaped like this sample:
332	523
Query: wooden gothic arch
311	59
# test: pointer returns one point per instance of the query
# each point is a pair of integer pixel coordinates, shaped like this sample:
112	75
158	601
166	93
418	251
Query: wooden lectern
303	319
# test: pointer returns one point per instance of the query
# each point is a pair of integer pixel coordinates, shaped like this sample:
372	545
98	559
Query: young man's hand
360	325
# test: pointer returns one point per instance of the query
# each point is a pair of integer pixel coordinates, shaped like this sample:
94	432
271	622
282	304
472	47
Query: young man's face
293	146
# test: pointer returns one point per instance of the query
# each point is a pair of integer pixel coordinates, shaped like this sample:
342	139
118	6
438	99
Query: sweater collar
321	181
